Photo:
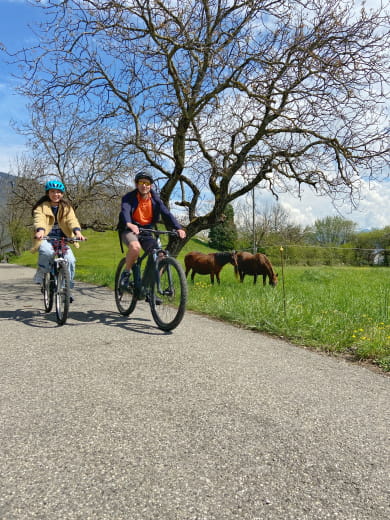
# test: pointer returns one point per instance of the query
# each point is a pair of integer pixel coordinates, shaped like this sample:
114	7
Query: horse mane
267	263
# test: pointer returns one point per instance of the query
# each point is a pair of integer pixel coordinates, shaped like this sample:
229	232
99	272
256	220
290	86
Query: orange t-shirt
144	212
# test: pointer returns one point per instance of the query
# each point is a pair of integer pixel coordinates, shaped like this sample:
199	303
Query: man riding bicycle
142	207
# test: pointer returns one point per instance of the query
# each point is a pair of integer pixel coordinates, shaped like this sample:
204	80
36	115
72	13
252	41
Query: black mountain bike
56	283
161	282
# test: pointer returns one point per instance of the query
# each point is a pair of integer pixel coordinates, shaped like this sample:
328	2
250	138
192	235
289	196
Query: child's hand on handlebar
39	234
79	235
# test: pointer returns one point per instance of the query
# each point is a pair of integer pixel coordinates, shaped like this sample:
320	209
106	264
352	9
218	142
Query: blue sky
17	15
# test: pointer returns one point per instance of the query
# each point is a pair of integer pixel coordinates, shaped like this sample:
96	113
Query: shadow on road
23	302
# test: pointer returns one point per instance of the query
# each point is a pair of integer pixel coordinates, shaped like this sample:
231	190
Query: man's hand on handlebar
137	231
133	227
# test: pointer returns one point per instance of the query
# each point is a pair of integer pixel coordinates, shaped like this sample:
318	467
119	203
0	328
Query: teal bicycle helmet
54	185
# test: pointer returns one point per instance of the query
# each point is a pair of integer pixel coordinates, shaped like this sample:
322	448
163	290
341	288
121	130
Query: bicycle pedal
157	301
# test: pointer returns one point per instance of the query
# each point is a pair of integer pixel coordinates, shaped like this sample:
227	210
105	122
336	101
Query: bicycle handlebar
65	239
172	233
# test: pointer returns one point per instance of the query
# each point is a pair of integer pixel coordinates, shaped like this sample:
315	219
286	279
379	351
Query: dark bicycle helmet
143	175
54	185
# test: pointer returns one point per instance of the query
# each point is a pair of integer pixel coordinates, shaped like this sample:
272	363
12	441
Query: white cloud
372	211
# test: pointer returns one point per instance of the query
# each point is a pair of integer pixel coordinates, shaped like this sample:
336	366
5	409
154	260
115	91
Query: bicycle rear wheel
48	291
62	294
169	294
125	297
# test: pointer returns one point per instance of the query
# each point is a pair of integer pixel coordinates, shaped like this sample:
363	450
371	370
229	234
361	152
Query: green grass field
341	310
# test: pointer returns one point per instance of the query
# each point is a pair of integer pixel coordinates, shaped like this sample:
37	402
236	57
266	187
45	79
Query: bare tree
268	224
94	169
220	96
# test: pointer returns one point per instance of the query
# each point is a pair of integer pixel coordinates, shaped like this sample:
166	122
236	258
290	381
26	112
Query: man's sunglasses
144	183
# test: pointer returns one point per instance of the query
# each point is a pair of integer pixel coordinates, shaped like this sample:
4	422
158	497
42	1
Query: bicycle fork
57	263
157	273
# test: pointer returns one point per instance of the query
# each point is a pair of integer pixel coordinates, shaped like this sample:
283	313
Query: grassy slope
336	309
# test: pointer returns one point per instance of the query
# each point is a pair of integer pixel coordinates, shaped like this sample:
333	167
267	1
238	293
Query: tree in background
219	97
334	231
15	216
223	236
95	171
268	224
377	240
19	233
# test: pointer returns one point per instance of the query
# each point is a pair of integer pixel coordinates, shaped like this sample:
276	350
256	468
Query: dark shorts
147	241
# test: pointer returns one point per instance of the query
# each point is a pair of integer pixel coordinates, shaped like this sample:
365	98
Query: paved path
110	418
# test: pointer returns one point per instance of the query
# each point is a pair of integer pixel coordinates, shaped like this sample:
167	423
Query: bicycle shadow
30	310
133	322
31	317
130	323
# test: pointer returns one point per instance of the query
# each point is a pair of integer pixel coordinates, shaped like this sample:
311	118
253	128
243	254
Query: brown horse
211	263
254	265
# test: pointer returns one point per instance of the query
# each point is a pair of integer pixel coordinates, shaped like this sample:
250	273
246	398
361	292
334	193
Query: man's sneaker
124	281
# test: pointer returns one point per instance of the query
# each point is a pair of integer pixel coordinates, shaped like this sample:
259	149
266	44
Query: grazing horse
211	263
254	265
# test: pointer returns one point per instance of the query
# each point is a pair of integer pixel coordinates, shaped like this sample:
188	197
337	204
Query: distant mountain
6	175
6	181
6	178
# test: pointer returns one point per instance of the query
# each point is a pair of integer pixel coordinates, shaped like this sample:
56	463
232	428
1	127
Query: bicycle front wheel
48	291
125	297
169	294
62	294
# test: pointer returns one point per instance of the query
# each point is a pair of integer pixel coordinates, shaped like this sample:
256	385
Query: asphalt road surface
110	418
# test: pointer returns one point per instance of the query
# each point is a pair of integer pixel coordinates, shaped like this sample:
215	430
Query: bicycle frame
151	272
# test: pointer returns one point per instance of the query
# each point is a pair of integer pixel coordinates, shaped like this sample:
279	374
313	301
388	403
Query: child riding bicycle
54	218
